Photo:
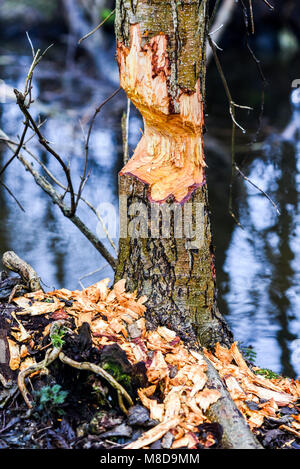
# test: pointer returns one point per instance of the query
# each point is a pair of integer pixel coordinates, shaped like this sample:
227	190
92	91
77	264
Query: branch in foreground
57	199
21	103
7	141
11	261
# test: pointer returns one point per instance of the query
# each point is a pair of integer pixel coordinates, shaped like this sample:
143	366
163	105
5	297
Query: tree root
51	355
56	352
99	371
12	262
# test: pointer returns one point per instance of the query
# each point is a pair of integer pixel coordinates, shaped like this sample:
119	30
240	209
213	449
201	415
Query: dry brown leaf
23	351
180	357
269	408
199	358
149	391
29	361
296	425
238	358
98	291
192	404
138	352
119	287
255	419
291	430
166	333
145	400
64	294
37	295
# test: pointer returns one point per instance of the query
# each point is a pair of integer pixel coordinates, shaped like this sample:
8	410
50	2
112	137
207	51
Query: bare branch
12	195
10	142
57	199
45	144
235	168
256	187
97	27
268	4
220	18
18	148
84	176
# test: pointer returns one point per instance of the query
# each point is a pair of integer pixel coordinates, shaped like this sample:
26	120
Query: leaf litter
175	392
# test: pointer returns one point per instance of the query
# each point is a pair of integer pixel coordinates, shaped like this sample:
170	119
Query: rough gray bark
175	273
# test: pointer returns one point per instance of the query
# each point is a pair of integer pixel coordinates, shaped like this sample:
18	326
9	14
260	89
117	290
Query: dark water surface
258	268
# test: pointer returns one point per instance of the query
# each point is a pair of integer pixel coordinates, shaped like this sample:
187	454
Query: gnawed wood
169	157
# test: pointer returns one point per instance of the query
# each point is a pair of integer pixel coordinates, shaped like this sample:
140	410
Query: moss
266	373
115	370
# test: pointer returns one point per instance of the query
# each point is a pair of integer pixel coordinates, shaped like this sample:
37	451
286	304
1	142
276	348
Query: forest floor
82	371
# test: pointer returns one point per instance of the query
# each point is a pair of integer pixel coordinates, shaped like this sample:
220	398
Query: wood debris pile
257	397
176	394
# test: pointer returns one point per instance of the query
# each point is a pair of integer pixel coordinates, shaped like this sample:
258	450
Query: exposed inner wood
169	157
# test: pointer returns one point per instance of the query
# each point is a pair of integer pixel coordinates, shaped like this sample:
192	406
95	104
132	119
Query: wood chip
154	434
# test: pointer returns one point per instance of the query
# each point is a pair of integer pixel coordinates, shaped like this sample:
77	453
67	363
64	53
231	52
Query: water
258	268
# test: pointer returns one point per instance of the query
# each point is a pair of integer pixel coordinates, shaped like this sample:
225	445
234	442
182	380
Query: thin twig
45	144
97	27
89	274
268	4
218	22
56	198
10	143
251	16
235	168
50	356
12	195
258	188
31	45
18	148
84	177
260	70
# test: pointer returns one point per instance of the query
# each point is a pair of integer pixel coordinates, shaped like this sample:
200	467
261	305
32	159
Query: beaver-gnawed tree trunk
165	249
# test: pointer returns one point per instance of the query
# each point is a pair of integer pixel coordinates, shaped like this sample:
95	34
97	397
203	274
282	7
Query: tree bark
166	250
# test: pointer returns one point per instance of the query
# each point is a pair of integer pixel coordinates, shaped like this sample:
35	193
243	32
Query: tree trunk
165	249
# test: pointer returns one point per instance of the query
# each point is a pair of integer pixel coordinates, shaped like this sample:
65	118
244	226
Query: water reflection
263	263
